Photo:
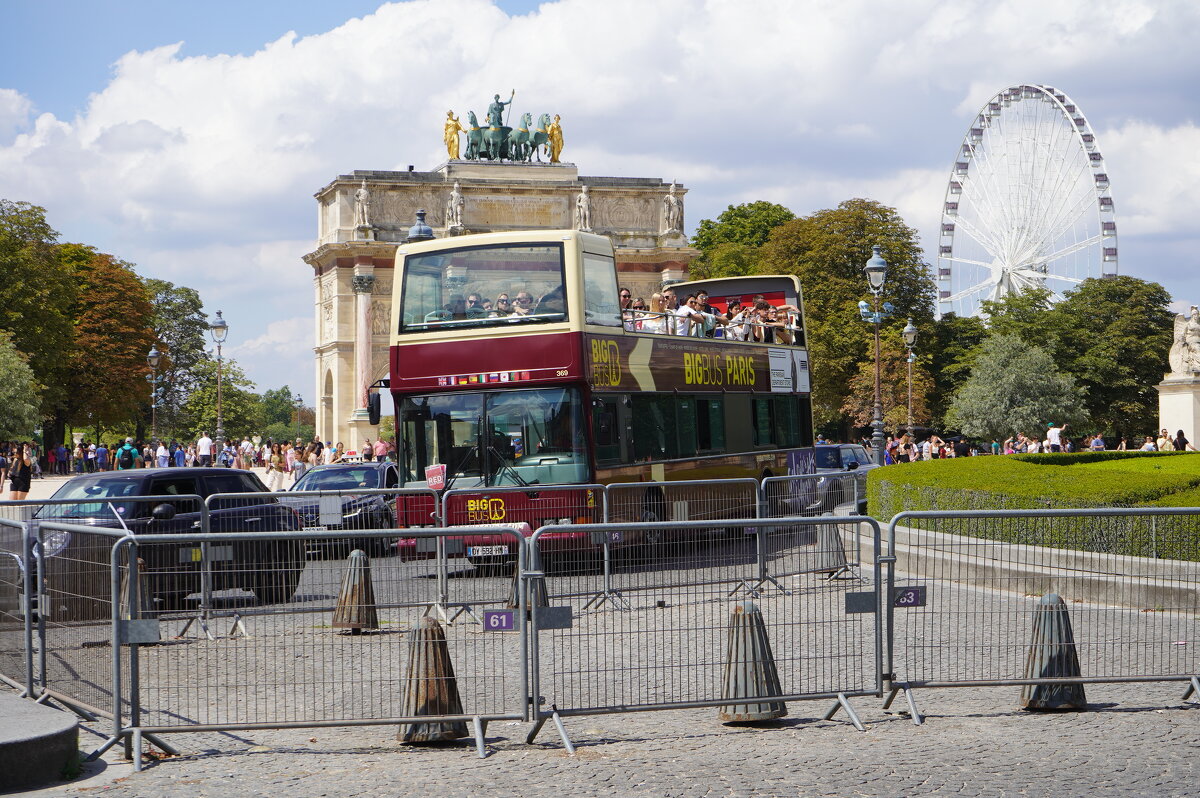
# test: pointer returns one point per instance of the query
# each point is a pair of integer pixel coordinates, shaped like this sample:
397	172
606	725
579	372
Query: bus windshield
490	286
523	437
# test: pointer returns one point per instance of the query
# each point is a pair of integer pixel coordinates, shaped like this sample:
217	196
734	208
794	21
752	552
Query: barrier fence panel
16	650
971	584
352	643
814	547
672	645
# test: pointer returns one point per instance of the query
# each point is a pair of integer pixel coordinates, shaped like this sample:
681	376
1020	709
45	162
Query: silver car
852	462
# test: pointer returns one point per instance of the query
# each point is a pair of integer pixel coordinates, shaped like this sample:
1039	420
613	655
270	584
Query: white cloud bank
201	169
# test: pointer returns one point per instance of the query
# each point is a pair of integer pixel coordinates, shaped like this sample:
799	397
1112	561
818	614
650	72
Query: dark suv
271	569
349	510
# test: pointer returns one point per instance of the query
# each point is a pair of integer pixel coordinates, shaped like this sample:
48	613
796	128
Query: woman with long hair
275	468
20	471
654	320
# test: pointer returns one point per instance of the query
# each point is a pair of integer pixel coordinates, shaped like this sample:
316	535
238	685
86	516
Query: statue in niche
450	134
556	139
583	211
362	206
454	208
1185	344
673	211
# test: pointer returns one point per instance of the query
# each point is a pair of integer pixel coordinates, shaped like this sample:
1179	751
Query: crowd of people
906	449
20	463
666	314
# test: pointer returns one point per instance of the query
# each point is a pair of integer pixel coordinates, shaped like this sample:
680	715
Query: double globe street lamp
152	360
876	271
910	340
218	328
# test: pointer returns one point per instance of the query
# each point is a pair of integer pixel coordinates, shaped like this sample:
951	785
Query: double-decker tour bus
512	364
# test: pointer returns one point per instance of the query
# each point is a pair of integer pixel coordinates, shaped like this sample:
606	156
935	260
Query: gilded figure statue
556	139
450	134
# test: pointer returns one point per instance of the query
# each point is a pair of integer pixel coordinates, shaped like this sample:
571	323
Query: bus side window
606	432
654	436
710	425
763	428
685	415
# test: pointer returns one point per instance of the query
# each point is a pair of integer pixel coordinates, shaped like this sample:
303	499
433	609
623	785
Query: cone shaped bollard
537	591
145	602
749	669
356	603
1052	654
830	555
430	687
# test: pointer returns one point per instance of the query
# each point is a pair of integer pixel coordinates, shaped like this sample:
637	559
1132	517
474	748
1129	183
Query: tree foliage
36	295
241	411
725	260
893	382
1114	336
180	327
1014	387
18	393
827	251
106	379
749	224
951	344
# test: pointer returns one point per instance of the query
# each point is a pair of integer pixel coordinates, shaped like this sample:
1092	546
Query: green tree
106	376
1024	315
180	330
278	406
893	386
241	410
827	251
36	295
1114	336
1014	387
18	393
952	343
725	260
749	224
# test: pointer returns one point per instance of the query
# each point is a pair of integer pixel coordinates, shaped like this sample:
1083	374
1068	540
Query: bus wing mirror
373	409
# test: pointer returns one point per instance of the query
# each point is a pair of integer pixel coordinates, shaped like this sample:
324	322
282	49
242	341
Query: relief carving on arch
327	321
381	317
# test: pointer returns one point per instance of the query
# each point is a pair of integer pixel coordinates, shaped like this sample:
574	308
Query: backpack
125	458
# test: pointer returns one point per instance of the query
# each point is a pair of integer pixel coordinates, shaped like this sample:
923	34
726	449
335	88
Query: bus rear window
495	286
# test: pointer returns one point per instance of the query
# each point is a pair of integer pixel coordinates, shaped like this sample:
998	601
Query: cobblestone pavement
1136	740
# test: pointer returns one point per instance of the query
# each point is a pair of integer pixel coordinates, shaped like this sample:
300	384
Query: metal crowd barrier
671	646
967	585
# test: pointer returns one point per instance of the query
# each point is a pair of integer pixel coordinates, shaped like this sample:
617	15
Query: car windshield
495	286
827	457
94	499
338	479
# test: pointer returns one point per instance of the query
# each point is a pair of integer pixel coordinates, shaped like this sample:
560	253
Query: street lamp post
299	407
219	330
910	340
152	358
876	271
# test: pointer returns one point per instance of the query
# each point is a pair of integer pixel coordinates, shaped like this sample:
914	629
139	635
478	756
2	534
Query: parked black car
355	510
270	569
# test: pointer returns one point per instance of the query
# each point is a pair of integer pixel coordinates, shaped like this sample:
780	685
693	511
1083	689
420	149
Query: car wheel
654	508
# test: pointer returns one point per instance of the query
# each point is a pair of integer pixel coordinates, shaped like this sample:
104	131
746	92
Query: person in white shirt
1054	436
688	317
204	449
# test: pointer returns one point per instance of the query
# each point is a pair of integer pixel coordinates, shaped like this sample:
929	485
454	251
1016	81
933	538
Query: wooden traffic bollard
1052	654
356	602
430	687
750	671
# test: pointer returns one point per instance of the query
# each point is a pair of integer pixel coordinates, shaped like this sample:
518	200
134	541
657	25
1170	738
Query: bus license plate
316	529
487	551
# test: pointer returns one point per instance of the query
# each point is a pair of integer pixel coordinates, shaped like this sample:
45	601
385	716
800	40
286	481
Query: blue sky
189	138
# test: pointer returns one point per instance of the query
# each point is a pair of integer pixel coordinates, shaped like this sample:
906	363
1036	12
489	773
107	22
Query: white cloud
202	169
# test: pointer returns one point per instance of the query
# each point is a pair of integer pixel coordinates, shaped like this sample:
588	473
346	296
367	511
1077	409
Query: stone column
363	282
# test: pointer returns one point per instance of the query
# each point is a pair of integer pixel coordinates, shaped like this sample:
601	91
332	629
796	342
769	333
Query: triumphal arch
493	187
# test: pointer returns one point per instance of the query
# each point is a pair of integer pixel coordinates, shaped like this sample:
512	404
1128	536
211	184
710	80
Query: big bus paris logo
485	509
606	362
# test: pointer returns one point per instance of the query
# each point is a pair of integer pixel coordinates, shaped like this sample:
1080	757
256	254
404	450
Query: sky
189	138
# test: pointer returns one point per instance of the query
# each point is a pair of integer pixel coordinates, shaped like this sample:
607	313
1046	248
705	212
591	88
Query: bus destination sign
664	363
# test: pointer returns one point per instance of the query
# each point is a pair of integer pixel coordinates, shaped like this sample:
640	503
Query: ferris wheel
1028	204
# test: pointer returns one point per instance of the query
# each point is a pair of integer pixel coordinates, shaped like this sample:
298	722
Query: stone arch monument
361	217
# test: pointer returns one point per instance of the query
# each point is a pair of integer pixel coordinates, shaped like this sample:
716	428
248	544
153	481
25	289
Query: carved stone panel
518	211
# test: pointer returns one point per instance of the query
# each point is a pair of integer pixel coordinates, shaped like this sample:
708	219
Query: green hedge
1096	479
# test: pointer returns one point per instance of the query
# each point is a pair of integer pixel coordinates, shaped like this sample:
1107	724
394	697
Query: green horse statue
539	138
519	148
495	142
474	138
